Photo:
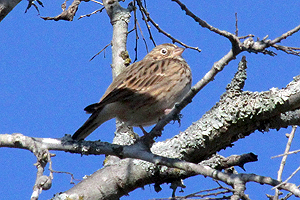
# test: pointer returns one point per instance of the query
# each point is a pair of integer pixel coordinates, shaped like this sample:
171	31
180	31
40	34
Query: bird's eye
164	51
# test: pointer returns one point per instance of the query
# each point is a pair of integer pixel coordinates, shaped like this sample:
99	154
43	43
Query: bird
144	92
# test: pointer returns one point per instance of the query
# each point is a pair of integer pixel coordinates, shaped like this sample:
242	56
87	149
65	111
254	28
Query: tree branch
67	14
145	13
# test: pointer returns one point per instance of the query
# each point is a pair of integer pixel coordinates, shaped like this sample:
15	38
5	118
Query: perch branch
138	151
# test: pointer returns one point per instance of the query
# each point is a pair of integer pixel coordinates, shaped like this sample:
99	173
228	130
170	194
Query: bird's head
164	51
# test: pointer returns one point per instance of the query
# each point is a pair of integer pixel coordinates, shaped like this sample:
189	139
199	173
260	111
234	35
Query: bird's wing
141	77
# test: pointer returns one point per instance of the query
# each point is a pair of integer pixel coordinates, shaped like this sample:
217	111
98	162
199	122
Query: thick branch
143	176
119	18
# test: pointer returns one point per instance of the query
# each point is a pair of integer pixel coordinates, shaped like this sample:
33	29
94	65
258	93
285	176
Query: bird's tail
88	127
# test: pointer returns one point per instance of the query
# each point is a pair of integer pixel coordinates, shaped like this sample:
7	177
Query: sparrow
144	92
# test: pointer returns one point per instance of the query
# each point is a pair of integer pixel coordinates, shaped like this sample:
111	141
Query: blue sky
47	80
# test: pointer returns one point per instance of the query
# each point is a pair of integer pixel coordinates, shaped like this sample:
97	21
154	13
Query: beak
178	51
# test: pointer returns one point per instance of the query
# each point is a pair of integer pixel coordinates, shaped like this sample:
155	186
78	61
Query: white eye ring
164	51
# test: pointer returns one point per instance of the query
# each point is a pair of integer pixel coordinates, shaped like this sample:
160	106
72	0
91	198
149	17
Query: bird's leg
176	117
145	132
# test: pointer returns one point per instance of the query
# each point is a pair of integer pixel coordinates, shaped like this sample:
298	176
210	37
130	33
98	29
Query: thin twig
289	153
136	27
236	25
136	32
146	13
284	182
246	36
88	15
143	37
259	47
210	192
285	35
283	161
146	21
72	175
50	164
97	2
288	50
204	24
100	51
287	149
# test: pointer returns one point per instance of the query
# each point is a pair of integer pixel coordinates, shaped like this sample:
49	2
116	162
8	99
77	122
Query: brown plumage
143	92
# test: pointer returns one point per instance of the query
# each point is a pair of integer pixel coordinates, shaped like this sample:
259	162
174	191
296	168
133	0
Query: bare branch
119	18
255	47
285	35
72	175
260	46
146	21
68	14
100	51
147	50
42	182
210	192
146	46
230	179
283	161
204	24
289	153
236	25
246	36
88	15
138	150
238	160
138	27
97	2
287	149
162	31
288	50
277	186
136	31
